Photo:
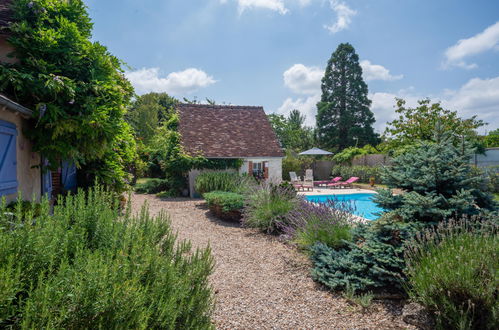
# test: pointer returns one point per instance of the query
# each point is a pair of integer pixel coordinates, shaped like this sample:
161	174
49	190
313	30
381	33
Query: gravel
262	283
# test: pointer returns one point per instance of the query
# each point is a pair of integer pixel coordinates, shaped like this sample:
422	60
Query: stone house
231	132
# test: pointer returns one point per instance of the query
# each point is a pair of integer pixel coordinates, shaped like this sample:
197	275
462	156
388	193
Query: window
8	158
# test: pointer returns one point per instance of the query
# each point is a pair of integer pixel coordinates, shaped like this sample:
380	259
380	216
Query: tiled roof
223	131
5	15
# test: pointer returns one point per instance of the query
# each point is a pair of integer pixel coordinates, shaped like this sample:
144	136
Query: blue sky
273	52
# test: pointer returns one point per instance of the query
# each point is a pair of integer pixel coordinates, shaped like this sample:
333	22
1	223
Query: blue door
68	176
8	159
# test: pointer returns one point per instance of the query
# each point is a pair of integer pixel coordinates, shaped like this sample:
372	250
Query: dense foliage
148	112
267	206
347	155
221	181
152	186
291	131
75	86
295	163
343	115
89	266
438	181
374	260
364	173
225	205
452	270
418	124
492	139
308	223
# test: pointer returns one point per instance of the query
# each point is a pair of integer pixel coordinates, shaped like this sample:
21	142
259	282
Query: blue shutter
68	176
8	159
47	179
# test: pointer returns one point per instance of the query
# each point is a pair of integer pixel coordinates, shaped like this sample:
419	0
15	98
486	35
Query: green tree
492	139
148	112
438	183
291	132
419	123
343	117
76	87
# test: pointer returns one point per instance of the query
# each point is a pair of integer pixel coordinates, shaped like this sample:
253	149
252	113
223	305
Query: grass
143	180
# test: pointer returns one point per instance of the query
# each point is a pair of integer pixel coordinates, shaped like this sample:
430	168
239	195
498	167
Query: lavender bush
309	223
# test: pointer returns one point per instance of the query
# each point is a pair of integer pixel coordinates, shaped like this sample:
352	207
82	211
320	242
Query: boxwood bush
225	205
88	266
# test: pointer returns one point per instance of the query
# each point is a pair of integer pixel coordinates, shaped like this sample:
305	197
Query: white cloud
307	107
344	16
377	72
302	79
477	97
464	48
274	5
176	83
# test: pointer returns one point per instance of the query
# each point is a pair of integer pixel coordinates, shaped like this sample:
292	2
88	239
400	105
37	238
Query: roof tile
224	131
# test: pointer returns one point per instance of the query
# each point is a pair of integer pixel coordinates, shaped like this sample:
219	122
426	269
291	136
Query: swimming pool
361	203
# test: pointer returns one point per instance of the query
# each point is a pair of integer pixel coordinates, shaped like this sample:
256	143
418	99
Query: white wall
275	167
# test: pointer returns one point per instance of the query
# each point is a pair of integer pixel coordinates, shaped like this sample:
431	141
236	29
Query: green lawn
142	180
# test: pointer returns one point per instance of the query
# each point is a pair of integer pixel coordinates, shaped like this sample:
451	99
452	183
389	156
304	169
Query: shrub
87	266
225	205
152	186
452	270
364	173
374	260
266	208
328	223
222	181
438	181
491	174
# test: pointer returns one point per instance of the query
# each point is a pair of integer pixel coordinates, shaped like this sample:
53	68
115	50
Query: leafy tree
438	182
76	87
148	112
291	132
348	154
296	119
419	123
492	139
344	118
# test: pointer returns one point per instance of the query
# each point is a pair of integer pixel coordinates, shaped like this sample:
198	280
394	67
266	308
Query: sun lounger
344	184
327	182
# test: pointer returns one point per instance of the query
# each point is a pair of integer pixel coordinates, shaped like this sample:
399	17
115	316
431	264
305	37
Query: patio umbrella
315	151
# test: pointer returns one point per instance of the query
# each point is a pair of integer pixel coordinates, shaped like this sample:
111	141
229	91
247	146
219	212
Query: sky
273	52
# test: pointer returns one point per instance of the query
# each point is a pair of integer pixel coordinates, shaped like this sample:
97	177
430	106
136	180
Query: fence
490	158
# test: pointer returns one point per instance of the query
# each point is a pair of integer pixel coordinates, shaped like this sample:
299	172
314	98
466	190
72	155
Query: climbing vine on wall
75	86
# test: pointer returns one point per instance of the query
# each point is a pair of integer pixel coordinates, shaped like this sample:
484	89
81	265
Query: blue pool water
361	204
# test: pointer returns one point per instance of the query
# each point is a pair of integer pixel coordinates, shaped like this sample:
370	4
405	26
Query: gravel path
261	283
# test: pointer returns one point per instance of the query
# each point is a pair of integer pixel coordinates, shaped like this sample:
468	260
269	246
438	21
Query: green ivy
76	88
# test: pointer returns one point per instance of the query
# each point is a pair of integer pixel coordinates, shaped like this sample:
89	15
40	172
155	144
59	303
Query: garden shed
231	132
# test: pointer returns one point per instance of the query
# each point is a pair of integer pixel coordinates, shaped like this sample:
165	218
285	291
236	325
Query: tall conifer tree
344	118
